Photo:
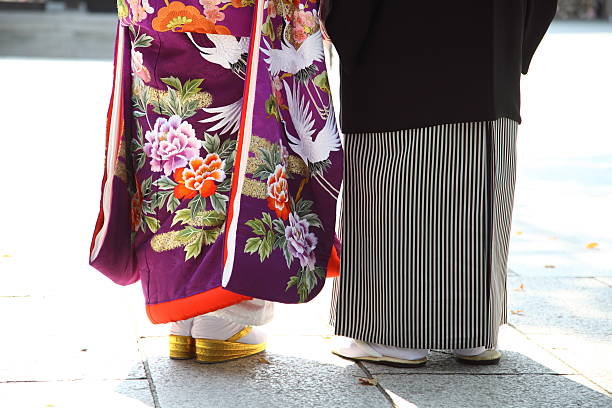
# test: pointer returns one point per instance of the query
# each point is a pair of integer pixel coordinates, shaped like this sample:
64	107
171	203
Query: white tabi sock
216	328
181	328
357	348
403	353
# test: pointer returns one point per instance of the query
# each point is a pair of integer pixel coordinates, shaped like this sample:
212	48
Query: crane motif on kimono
229	52
299	63
314	152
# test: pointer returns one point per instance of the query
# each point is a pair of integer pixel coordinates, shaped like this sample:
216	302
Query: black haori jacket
411	64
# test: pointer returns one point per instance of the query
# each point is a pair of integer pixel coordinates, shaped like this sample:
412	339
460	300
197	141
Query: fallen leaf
264	361
368	381
592	245
517	312
520	288
6	256
550	266
519	232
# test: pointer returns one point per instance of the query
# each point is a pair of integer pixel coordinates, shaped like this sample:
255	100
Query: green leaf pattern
200	221
270	233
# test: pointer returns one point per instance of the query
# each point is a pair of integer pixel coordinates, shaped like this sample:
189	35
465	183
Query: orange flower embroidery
200	177
178	17
278	193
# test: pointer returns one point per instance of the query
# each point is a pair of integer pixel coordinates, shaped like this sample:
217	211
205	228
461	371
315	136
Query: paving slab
520	356
562	306
593	359
76	394
303	374
539	252
486	391
52	339
606	280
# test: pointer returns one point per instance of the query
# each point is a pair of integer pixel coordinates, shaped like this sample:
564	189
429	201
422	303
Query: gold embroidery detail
121	171
259	143
168	241
204	99
255	189
296	165
253	164
122	149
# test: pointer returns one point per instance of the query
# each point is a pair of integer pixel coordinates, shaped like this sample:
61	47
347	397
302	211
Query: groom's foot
478	356
385	355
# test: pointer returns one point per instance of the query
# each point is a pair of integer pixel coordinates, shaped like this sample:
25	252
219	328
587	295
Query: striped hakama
426	226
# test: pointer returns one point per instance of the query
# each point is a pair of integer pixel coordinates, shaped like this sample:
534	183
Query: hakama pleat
426	226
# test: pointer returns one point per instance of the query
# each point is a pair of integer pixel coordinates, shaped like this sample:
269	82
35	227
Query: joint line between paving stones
380	388
559	358
71	380
15	296
480	374
145	363
601	281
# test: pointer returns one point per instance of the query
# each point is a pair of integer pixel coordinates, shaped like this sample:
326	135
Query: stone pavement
73	339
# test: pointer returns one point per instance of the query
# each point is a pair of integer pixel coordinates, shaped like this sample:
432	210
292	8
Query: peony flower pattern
140	10
212	11
201	176
300	242
192	172
278	192
177	17
171	144
138	67
304	24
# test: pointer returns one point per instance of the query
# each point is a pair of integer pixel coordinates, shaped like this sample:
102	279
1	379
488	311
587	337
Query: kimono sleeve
539	16
111	250
348	23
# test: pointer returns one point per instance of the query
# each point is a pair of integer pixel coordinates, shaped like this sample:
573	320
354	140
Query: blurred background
568	9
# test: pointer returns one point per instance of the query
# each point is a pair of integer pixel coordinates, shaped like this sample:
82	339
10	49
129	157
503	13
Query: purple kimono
223	158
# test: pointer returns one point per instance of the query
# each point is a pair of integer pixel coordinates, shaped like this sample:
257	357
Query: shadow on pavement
315	378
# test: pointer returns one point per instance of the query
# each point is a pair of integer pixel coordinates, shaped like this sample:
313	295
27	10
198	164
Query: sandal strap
240	334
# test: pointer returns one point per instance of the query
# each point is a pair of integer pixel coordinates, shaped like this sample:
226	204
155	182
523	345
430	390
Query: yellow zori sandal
182	347
208	351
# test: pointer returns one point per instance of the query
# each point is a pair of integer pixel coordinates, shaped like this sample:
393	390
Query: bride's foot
181	344
217	328
387	355
218	340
